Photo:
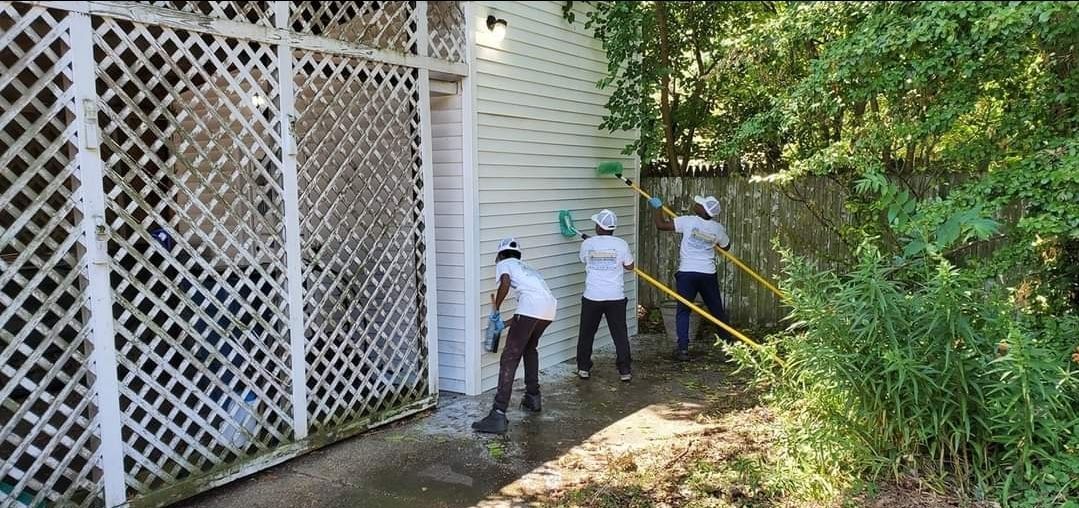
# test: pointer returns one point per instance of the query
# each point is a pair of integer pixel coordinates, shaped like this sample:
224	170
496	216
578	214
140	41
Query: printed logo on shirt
603	260
701	240
529	272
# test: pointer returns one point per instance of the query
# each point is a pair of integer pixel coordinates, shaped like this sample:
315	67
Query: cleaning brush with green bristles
565	224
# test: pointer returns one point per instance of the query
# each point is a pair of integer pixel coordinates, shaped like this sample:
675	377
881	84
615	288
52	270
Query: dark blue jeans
689	284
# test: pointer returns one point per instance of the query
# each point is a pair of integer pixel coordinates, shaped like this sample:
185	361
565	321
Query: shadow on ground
436	461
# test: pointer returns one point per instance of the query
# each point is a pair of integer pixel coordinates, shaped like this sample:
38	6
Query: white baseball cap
509	244
710	204
606	220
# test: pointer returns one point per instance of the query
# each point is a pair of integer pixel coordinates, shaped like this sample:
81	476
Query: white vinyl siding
538	145
446	144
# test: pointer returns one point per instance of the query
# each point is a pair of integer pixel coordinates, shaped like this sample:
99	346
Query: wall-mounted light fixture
497	27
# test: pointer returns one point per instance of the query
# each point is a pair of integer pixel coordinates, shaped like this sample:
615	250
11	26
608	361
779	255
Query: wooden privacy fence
754	214
213	252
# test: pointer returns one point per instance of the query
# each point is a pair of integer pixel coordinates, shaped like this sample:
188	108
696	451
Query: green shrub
915	369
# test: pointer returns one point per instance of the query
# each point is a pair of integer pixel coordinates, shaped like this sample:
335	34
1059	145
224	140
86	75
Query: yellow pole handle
764	282
737	262
713	319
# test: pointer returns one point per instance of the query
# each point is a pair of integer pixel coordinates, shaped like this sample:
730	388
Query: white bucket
239	431
669	310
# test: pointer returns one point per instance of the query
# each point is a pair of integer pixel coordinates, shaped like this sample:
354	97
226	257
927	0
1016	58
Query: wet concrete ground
435	460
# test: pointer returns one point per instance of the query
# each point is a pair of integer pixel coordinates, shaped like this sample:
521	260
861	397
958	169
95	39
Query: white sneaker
625	377
583	374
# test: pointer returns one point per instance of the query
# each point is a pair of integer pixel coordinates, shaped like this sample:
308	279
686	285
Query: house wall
537	112
449	239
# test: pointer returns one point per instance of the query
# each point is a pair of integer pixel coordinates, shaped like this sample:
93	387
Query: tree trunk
686	152
908	163
837	122
664	91
886	152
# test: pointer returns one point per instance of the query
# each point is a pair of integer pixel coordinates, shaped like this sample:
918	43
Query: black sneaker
531	403
494	423
681	355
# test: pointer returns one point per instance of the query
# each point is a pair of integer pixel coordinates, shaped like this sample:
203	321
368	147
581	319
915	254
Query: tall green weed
914	369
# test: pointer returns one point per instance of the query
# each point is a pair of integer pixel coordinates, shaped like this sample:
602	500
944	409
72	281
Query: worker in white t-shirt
697	263
535	310
606	258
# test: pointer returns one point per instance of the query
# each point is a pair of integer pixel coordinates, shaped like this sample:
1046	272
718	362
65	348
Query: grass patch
496	450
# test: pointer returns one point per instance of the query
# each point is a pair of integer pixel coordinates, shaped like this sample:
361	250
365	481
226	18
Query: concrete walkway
435	460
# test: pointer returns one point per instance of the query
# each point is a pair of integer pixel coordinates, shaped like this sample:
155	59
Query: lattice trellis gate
213	252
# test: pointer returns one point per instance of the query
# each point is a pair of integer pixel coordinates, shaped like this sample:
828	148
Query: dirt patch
717	463
910	495
712	444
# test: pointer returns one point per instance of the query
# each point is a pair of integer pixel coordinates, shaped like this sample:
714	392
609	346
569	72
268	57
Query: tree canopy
869	94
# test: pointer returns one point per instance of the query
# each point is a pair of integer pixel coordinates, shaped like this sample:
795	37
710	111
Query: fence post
427	170
293	255
95	235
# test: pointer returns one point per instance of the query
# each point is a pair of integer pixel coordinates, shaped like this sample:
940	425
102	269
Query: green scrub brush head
609	168
565	224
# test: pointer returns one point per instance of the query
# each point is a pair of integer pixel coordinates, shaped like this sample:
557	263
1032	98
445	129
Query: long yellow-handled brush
565	225
615	168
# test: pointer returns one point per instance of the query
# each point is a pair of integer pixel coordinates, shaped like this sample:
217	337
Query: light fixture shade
497	27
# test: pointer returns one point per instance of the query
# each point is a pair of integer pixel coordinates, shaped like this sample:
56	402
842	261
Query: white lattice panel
360	207
446	28
191	151
47	428
188	270
258	13
382	25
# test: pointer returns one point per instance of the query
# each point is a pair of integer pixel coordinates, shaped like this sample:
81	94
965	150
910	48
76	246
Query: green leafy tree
910	91
670	73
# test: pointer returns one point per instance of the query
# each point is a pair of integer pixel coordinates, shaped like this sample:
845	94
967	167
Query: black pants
591	313
521	341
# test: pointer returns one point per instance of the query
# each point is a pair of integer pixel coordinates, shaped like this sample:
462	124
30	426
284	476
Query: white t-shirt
605	258
699	238
534	298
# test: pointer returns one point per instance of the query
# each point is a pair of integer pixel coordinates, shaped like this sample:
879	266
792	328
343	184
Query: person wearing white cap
701	233
536	308
606	258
